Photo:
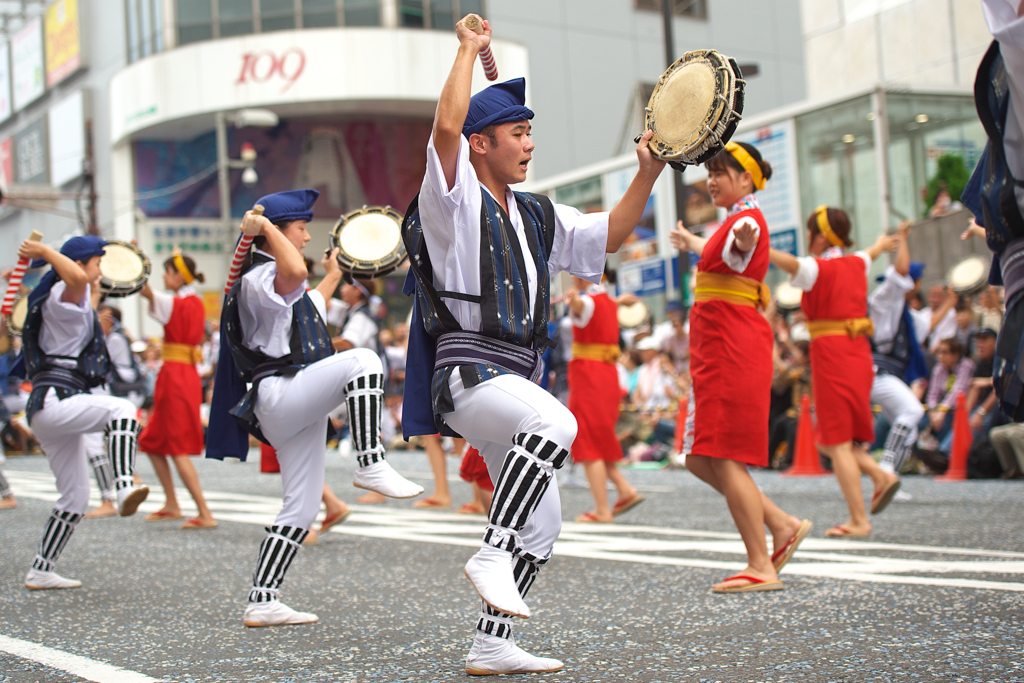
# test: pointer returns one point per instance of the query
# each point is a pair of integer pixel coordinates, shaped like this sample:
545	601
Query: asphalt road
937	594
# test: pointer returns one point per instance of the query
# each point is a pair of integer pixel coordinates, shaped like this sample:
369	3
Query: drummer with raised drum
835	287
175	428
64	355
731	366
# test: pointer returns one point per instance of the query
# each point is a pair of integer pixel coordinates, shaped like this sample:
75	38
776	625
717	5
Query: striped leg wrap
365	399
5	488
56	533
898	444
121	436
276	554
495	623
524	478
100	463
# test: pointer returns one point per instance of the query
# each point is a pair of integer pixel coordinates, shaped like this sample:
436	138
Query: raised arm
684	240
626	214
332	279
75	279
291	267
784	260
883	244
453	105
902	262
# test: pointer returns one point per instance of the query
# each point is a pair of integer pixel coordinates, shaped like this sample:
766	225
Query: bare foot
767	576
435	502
8	503
311	538
106	509
848	529
372	498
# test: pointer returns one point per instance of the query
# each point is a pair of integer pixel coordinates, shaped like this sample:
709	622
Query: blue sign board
785	240
643	278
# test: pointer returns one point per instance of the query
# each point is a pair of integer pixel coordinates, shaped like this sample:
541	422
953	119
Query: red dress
841	368
594	394
174	426
731	361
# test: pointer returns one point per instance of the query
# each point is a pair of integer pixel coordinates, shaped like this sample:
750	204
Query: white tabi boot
492	656
490	572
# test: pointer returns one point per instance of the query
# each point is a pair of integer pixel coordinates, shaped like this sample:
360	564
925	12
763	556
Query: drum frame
368	268
720	121
646	318
114	290
976	288
11	327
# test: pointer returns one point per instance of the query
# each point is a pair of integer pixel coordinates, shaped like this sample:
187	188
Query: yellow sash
741	291
182	353
606	353
851	327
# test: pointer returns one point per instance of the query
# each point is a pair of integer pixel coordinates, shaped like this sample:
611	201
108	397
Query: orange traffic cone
962	438
806	462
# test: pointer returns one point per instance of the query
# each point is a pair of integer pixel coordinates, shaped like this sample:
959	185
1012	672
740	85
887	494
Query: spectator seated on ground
951	377
1008	442
981	399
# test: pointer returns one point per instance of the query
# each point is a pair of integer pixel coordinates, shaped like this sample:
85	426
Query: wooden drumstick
476	24
240	251
16	277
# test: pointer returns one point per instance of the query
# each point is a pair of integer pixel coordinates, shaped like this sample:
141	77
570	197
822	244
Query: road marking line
819	557
83	667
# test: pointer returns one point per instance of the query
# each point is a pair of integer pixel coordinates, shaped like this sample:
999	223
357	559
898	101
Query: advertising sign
27	64
643	278
5	81
7	160
30	155
63	41
67	139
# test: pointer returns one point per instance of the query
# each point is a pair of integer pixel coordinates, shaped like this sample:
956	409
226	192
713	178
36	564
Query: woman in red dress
835	301
595	398
731	366
174	429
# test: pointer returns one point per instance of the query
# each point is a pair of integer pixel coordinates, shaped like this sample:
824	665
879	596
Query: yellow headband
826	229
746	161
179	265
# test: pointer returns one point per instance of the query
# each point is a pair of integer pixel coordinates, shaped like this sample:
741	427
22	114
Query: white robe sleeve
583	319
580	243
739	260
162	306
806	274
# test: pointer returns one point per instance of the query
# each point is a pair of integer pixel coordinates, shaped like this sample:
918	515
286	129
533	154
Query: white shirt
885	306
583	319
360	330
808	269
946	329
121	356
451	227
162	306
67	327
266	316
1008	29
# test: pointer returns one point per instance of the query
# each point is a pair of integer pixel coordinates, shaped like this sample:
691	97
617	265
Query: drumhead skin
632	315
124	269
695	107
369	241
16	323
969	276
787	297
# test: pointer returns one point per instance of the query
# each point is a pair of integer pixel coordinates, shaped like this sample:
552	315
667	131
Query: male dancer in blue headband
482	256
65	355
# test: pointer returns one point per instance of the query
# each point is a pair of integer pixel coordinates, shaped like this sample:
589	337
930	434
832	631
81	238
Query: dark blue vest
92	364
504	301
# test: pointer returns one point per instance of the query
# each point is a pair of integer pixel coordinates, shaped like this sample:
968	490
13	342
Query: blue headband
292	205
499	103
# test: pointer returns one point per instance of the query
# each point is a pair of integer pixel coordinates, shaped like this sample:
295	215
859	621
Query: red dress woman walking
835	301
174	429
731	366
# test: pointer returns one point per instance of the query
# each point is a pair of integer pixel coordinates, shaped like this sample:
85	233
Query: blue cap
81	248
293	205
916	270
499	103
674	306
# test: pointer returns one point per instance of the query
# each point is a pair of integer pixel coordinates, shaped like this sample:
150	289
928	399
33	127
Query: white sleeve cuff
583	319
867	262
739	260
806	274
162	306
580	244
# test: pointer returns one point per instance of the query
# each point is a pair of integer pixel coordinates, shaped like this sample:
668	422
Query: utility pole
90	173
666	18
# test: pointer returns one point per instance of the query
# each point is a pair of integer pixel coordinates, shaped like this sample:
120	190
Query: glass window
146	21
195	21
411	14
235	17
277	15
362	12
158	26
442	15
133	30
319	13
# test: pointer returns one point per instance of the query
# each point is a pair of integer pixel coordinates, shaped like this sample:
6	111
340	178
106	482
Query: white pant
61	427
490	414
292	412
897	400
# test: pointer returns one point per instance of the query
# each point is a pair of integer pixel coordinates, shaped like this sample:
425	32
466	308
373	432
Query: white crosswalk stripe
864	561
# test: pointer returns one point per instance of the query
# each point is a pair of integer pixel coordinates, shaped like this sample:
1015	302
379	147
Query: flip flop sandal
162	516
590	518
334	519
196	524
840	531
431	504
470	509
628	504
781	556
882	498
756	585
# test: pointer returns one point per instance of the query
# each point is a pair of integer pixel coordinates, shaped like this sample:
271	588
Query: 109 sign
260	67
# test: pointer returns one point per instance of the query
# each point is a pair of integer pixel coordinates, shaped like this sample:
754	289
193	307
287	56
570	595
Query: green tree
952	174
